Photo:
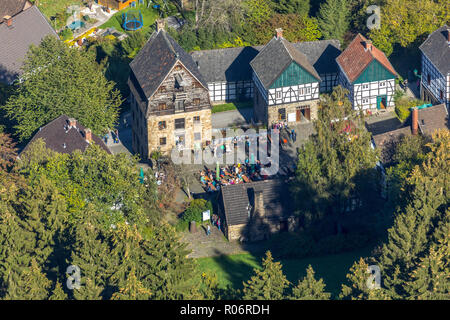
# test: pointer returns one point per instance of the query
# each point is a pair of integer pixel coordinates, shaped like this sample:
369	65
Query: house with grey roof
65	135
229	74
435	79
17	33
9	8
286	84
425	120
169	98
253	211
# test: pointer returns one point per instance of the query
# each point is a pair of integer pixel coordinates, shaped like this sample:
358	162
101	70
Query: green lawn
51	7
232	106
149	15
234	269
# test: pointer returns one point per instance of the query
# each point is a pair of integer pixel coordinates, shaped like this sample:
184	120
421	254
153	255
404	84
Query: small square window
196	119
162	106
196	101
162	141
282	114
179	123
308	90
301	92
365	86
278	94
162	125
162	89
382	84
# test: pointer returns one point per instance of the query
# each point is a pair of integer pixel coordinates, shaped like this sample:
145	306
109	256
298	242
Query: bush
66	34
193	213
403	106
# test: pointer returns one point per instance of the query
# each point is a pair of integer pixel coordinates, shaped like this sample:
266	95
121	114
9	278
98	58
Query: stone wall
170	133
291	108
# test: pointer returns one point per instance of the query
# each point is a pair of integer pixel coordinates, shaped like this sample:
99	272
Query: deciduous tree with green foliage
300	7
60	80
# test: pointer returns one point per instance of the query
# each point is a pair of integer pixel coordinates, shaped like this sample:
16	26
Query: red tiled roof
355	58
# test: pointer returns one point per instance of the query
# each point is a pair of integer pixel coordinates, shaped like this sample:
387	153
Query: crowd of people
232	174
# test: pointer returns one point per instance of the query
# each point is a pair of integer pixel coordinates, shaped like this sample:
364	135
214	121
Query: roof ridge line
169	44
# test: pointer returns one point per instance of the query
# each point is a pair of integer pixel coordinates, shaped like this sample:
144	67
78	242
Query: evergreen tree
310	288
357	287
335	165
58	293
133	290
267	284
431	278
334	19
91	253
300	7
423	220
30	284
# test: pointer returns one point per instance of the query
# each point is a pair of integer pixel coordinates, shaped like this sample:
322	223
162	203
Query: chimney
259	203
415	121
368	45
88	135
8	20
279	33
72	123
160	24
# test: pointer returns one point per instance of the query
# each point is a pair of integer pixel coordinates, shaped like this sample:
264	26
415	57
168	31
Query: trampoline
132	20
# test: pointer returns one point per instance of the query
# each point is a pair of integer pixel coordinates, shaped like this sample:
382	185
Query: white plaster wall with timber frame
366	93
298	93
230	91
437	83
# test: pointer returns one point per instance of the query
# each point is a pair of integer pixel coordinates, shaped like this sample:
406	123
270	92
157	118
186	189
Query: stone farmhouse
435	80
368	75
169	97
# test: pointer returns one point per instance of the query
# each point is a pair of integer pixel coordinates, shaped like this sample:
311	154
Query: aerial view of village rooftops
224	150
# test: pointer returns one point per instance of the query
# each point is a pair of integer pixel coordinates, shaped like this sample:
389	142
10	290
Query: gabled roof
233	64
11	8
355	58
28	27
154	62
236	199
437	49
58	134
433	118
275	57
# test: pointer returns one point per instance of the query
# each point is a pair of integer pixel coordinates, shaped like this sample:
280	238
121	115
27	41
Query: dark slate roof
355	58
236	198
386	142
57	133
275	57
321	54
28	27
11	8
433	118
437	49
233	64
154	62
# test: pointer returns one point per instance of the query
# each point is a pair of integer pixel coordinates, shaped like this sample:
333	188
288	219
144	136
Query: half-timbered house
435	80
169	97
368	75
286	84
